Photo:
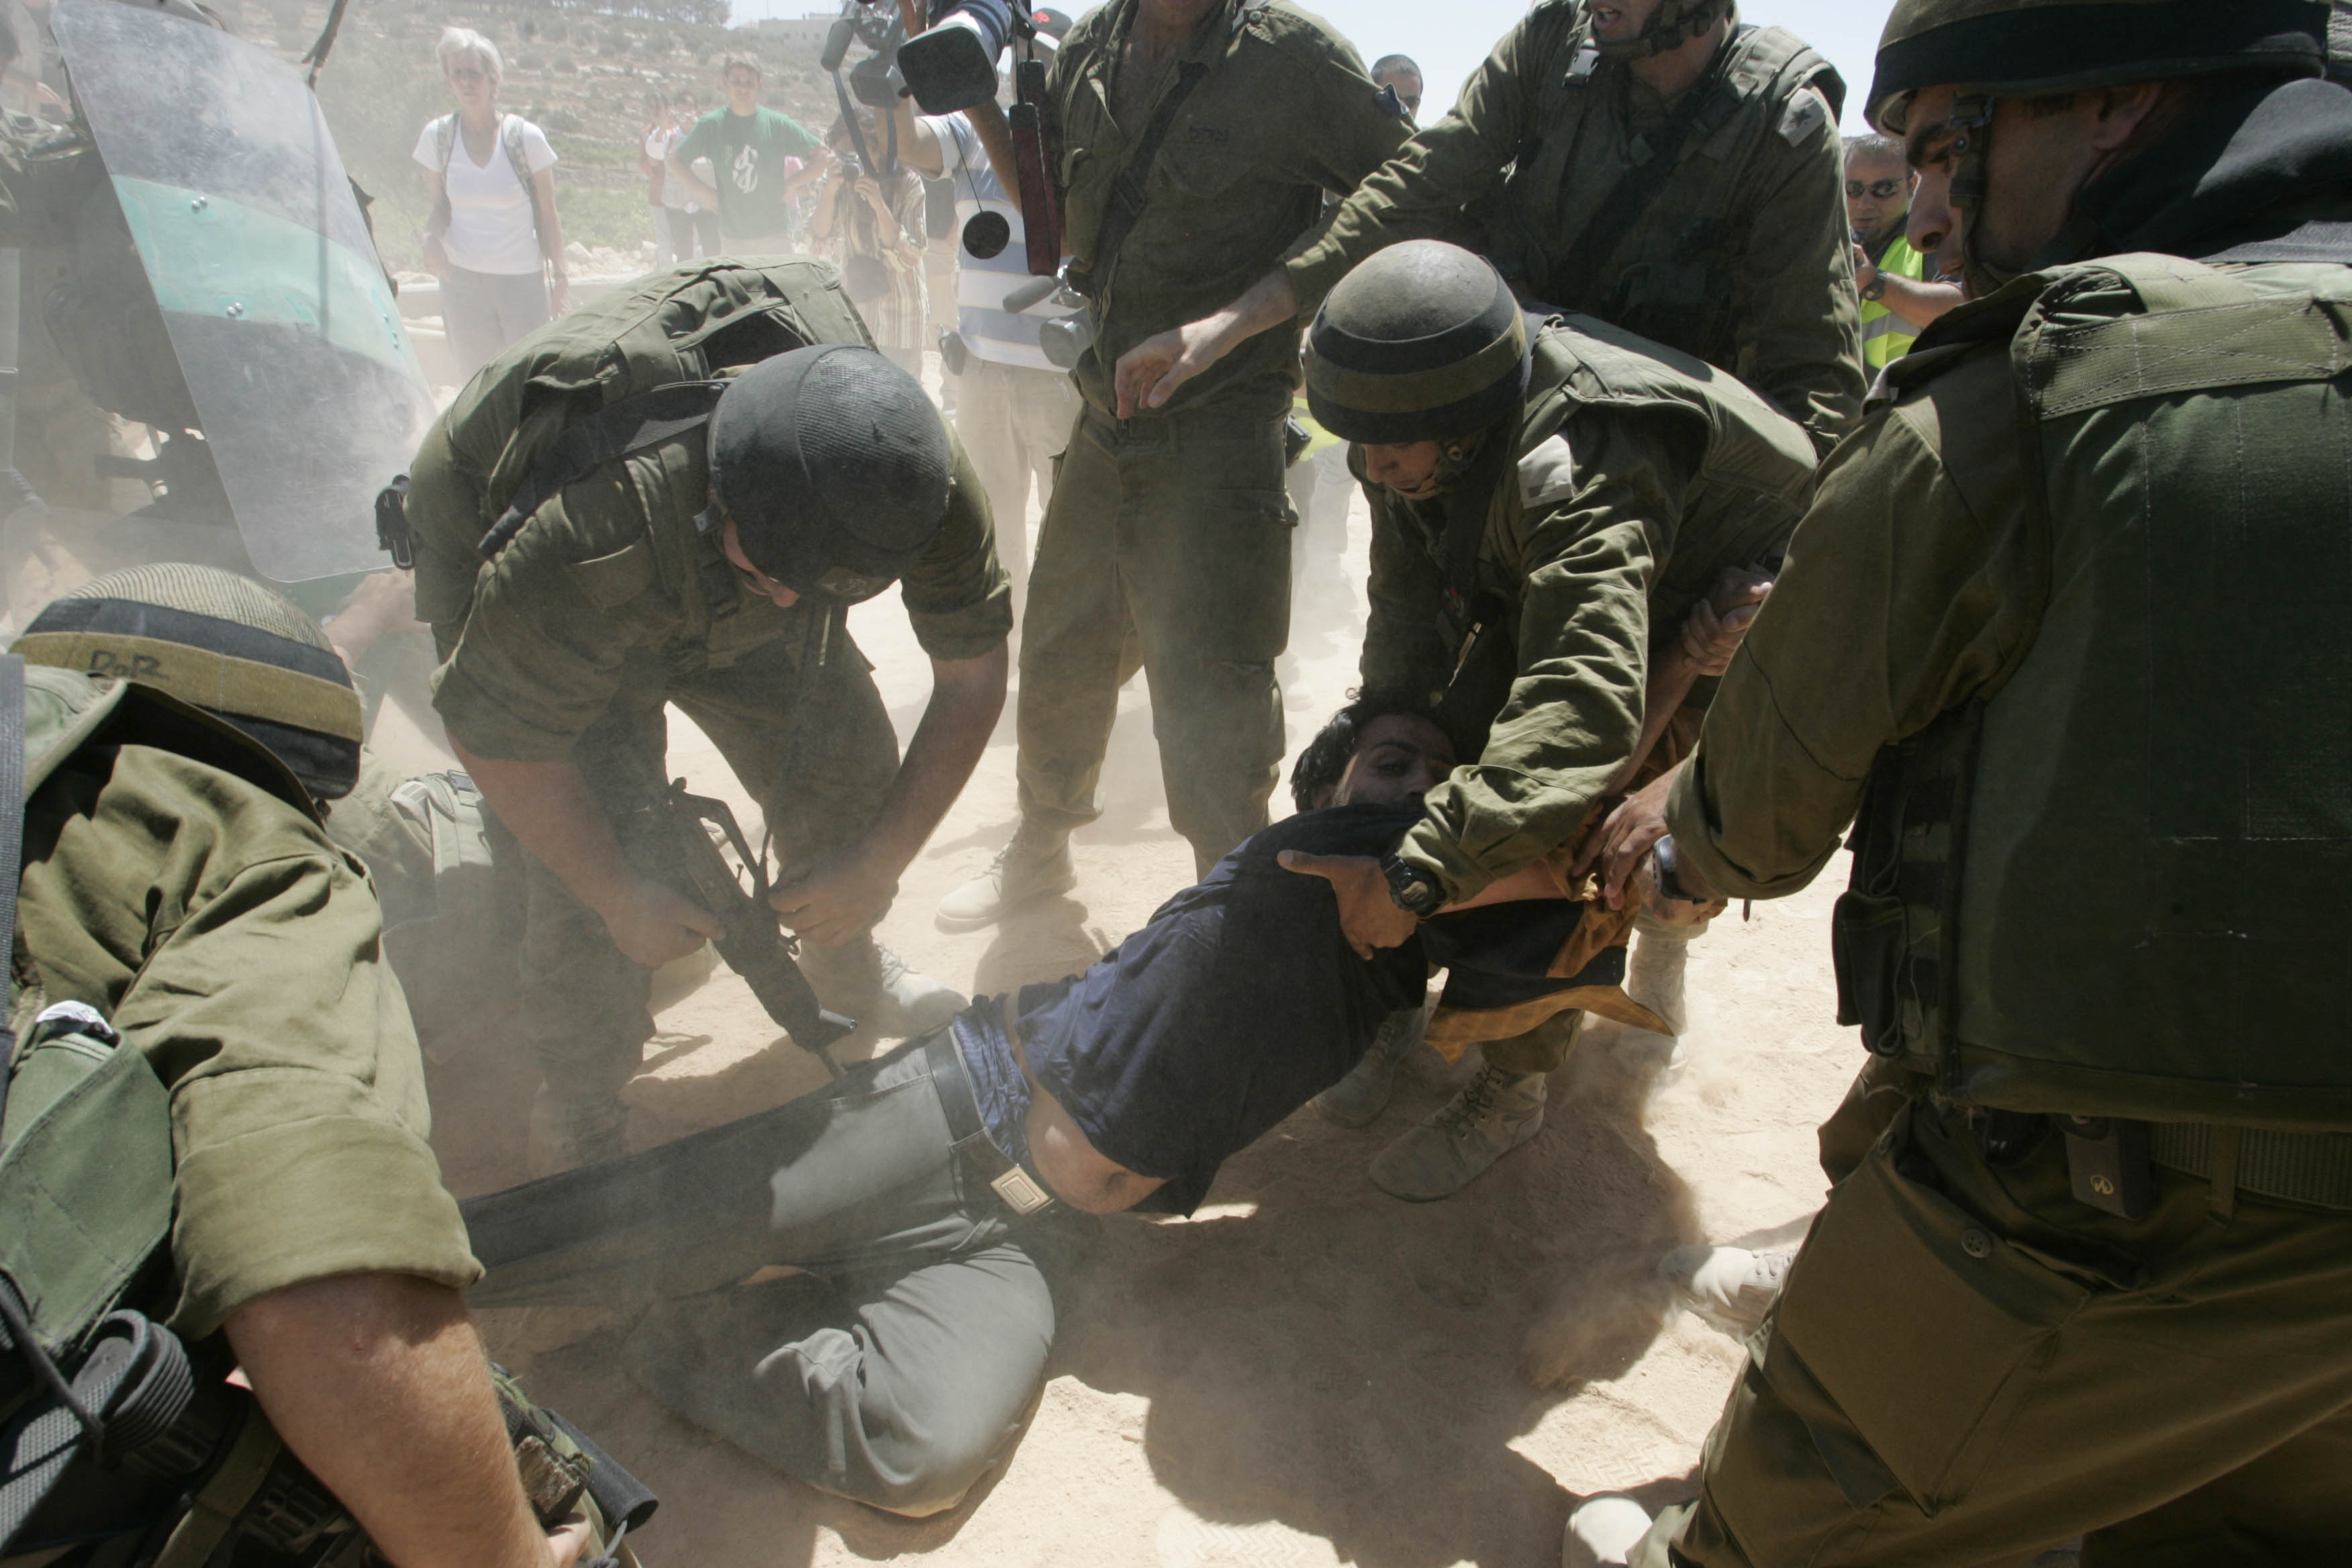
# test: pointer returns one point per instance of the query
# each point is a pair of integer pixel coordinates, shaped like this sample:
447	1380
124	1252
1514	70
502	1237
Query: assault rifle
669	837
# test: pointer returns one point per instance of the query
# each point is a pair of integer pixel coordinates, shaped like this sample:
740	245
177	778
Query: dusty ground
1307	1372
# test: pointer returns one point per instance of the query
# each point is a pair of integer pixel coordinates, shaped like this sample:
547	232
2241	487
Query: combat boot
1730	1287
865	981
1653	975
1606	1528
566	1134
1358	1099
1035	865
1495	1113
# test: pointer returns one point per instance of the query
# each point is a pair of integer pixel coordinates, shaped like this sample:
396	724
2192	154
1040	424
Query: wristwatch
1875	289
1416	892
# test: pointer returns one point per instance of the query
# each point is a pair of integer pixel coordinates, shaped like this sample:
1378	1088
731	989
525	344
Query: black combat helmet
2031	48
833	466
1420	342
219	642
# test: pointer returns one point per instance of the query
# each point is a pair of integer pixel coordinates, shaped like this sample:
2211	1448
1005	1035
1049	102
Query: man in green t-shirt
747	146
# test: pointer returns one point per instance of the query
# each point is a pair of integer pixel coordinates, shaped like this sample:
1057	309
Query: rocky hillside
581	73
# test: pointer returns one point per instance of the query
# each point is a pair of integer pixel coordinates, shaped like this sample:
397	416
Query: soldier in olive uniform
1550	499
670	548
2082	696
1647	161
1199	140
179	901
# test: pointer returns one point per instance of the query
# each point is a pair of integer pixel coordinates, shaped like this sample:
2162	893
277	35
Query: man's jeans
897	1377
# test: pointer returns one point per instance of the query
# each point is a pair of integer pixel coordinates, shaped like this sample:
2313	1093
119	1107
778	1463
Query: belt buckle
1021	1192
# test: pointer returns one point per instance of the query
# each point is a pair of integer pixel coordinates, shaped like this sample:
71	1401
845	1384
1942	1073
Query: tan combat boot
1035	865
1358	1099
865	981
566	1134
1729	1287
1495	1113
1653	975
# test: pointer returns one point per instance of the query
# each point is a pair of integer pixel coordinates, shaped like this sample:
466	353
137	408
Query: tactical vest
1678	233
1753	479
2112	884
672	328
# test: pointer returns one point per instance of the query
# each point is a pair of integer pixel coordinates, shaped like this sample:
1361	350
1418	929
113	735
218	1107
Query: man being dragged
929	1190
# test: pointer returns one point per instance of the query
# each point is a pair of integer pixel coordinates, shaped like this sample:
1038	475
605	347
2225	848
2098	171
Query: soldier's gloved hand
654	926
1369	916
831	899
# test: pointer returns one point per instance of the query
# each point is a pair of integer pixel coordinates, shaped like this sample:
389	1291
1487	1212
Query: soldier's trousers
1165	548
897	1370
1966	1366
584	1003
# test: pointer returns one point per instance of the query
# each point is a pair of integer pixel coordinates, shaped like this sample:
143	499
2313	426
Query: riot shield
304	386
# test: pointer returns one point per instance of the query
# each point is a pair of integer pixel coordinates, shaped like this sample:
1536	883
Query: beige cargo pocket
1921	1325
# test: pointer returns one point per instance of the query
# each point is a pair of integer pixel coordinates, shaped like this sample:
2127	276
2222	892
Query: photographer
1014	406
1199	138
872	227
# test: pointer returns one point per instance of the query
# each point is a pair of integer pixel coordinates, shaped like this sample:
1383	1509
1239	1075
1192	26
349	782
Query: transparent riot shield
305	388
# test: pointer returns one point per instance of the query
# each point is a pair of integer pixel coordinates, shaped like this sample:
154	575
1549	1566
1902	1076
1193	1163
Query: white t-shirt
490	227
988	329
658	142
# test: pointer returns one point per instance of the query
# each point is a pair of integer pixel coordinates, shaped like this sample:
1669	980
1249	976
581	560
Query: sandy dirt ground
1307	1372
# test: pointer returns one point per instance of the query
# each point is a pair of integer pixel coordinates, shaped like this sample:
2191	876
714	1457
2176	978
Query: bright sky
1451	36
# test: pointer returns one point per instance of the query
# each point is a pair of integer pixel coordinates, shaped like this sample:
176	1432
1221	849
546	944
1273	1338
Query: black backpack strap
591	441
12	843
1130	192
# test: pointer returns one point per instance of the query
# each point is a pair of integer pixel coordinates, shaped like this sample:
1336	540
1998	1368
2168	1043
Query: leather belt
1021	1192
2313	1168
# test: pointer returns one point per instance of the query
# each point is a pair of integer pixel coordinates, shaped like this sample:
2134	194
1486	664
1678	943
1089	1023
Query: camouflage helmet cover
220	642
2028	47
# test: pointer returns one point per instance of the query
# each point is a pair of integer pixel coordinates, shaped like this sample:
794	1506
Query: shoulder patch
1807	112
1547	474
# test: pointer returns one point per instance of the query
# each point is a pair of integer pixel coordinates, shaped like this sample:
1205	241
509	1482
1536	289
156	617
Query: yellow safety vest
1885	336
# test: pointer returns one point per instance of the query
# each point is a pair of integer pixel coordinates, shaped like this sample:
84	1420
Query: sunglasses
1879	190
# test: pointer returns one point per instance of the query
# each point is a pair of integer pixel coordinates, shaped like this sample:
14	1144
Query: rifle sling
1705	107
1130	193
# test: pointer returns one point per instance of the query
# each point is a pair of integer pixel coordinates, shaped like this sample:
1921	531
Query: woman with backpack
494	239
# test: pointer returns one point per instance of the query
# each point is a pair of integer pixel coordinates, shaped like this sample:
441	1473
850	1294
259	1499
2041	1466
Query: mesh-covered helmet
2027	48
1674	24
833	466
1422	342
219	642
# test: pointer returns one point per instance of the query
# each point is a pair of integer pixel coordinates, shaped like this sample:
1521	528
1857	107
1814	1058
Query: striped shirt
988	330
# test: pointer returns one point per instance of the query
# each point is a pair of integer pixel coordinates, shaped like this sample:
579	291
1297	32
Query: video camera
949	65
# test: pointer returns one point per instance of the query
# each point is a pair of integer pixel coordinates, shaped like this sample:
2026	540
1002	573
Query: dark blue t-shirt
1238	1003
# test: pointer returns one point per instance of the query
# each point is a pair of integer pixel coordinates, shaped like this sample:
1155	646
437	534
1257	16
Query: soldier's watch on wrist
1414	890
1875	289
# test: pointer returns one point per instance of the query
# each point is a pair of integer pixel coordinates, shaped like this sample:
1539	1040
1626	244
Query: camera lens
987	234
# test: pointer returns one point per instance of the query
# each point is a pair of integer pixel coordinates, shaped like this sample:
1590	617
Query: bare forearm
696	188
1671	679
1921	304
547	807
378	1383
967	696
996	140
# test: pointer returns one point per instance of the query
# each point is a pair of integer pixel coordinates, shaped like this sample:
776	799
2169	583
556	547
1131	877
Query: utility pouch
391	532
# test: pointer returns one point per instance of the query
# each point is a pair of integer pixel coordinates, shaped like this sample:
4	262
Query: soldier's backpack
638	367
121	1447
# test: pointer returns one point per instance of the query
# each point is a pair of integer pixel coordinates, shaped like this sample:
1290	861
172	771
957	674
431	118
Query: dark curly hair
1324	761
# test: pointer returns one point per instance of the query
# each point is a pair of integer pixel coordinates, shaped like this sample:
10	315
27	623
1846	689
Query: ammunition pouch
1895	931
